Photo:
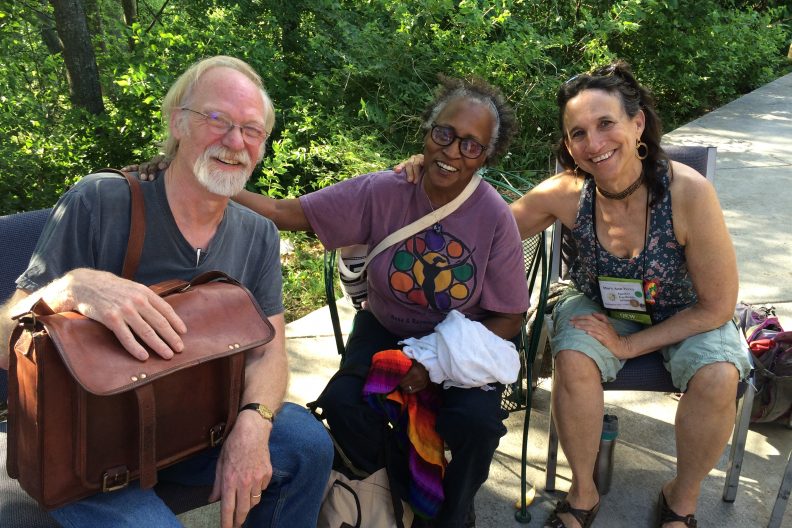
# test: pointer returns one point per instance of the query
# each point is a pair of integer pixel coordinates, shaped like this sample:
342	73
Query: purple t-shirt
471	261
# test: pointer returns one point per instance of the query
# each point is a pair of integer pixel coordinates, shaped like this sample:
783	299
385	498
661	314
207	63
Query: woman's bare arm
554	198
287	213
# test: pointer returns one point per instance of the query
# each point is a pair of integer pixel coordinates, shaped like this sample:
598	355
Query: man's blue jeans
301	454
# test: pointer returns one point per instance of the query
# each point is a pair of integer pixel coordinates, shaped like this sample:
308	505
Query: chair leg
552	454
539	357
738	443
521	515
783	496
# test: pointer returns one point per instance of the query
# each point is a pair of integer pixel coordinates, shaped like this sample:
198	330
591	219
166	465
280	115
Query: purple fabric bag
771	347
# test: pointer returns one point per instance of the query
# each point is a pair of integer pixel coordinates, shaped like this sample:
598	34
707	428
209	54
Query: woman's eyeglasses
445	135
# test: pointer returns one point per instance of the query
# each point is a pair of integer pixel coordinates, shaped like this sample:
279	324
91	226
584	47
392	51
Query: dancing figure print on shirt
433	269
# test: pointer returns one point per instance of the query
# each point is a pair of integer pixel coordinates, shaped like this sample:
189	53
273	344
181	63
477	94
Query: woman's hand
147	171
597	326
412	166
416	379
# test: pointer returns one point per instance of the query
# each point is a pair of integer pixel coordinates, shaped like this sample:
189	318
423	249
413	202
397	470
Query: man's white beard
218	181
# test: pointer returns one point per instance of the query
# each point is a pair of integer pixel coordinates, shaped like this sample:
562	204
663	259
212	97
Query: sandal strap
583	517
671	516
668	515
554	521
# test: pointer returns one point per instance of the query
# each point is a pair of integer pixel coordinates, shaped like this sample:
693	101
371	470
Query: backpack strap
358	371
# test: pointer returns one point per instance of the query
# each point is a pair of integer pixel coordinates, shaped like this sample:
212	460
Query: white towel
464	353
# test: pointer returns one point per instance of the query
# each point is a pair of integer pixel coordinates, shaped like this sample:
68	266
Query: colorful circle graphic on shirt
433	269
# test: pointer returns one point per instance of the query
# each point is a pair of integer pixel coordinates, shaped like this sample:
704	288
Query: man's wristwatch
260	408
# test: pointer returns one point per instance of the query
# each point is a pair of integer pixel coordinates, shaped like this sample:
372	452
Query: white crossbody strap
410	229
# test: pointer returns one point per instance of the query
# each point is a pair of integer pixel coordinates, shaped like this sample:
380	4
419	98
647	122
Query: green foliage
697	62
350	78
303	275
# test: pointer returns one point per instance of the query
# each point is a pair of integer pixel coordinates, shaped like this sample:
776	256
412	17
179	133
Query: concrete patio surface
754	182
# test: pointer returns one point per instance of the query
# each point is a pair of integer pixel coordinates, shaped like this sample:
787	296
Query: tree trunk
130	17
93	16
46	27
78	54
130	11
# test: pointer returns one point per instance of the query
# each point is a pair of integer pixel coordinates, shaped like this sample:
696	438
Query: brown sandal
584	517
666	515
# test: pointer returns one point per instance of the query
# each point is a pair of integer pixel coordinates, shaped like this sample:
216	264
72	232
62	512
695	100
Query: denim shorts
681	359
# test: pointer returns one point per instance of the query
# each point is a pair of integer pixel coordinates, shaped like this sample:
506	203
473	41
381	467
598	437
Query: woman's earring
638	145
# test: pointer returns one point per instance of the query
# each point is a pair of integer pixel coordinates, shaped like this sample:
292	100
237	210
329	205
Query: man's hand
597	326
416	379
127	308
244	469
412	167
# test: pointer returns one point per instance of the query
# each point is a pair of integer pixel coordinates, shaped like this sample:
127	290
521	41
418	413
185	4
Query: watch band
264	411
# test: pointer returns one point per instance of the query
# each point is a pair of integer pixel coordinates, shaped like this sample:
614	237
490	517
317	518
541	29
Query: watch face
264	412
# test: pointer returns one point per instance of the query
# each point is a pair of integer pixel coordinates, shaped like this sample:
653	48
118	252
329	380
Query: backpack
354	498
771	348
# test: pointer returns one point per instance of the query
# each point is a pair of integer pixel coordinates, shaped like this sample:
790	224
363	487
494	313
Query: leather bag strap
236	364
147	409
137	229
147	405
147	434
410	229
137	223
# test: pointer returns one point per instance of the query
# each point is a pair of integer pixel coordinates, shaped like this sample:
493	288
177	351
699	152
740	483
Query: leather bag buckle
115	479
216	434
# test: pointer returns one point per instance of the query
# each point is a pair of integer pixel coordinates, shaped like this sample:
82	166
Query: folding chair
18	236
516	396
647	373
777	515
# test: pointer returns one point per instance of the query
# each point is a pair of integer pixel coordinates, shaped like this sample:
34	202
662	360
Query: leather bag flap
222	318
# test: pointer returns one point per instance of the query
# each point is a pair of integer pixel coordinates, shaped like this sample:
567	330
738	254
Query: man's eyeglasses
468	147
220	124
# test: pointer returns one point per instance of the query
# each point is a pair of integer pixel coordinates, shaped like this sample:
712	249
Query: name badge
624	299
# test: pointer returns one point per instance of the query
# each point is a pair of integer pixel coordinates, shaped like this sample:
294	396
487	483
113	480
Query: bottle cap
610	427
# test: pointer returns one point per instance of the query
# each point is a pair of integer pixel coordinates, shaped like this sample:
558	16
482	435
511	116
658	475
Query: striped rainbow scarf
416	426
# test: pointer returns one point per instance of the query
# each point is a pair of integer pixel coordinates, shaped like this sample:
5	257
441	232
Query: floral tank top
662	256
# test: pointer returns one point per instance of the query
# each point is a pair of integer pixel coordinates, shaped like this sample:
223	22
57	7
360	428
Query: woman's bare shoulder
688	186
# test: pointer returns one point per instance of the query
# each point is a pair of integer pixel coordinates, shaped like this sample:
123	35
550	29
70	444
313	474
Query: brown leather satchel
86	417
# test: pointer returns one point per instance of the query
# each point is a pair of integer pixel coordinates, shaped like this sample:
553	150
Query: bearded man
272	468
